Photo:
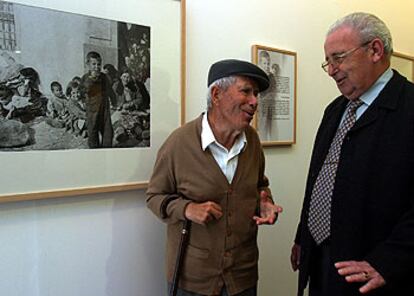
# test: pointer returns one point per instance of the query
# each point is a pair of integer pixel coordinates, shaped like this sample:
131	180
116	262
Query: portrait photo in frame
65	172
404	64
275	119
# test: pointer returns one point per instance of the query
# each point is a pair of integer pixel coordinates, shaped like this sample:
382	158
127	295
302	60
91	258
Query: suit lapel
369	116
332	121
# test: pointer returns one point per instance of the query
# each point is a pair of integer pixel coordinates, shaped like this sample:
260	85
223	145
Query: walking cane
185	231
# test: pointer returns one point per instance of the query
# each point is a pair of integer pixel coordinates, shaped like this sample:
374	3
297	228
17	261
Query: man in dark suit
356	231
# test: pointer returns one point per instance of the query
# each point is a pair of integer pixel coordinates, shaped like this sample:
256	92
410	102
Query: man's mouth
340	80
249	113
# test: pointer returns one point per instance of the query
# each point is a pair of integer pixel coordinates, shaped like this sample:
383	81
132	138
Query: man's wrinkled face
237	104
353	74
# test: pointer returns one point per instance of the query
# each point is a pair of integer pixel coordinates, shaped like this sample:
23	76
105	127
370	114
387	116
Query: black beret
226	68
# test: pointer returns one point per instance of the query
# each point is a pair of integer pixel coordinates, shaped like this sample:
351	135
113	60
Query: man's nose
332	69
253	100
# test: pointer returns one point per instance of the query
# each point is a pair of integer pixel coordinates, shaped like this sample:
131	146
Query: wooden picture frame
275	119
31	175
404	64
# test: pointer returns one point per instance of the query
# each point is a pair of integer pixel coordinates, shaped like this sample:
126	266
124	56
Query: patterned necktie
319	221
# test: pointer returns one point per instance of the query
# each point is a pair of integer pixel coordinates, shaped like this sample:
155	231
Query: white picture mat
37	171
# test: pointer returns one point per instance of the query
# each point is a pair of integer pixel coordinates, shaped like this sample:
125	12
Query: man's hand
202	213
295	257
360	272
268	210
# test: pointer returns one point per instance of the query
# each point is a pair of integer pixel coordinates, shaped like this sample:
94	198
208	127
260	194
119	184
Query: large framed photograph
275	119
88	93
404	64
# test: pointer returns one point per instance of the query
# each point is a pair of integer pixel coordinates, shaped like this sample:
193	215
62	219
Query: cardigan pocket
198	268
197	252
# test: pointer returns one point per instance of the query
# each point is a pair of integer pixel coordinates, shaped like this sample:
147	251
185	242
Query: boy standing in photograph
98	91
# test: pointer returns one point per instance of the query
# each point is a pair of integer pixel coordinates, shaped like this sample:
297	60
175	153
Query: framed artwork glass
133	49
275	119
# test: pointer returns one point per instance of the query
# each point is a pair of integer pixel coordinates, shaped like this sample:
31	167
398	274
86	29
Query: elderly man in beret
211	172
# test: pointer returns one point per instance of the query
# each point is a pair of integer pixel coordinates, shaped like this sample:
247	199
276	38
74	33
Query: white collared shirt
226	159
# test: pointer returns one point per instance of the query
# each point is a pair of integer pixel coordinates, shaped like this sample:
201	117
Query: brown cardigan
224	251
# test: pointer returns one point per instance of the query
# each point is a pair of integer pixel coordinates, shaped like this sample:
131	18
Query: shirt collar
372	93
207	136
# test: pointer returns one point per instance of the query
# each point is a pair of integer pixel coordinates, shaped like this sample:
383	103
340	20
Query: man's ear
377	48
215	95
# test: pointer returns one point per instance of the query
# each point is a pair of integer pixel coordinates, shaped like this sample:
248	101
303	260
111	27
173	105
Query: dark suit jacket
373	198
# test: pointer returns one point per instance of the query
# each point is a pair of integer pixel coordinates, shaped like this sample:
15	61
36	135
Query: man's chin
347	93
350	95
245	124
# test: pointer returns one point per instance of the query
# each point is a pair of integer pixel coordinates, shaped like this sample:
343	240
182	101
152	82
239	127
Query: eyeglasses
339	58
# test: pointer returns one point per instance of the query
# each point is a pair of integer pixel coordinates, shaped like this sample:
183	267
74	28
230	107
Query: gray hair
222	83
368	26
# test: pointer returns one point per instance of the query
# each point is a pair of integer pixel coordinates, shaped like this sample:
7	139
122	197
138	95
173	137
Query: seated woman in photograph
126	91
27	101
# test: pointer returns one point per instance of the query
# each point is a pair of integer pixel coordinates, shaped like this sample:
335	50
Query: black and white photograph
71	81
275	119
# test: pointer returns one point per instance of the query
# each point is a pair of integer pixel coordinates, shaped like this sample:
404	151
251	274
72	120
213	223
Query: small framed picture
275	119
404	64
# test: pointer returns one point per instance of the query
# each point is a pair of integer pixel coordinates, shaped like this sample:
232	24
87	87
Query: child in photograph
98	92
267	102
57	111
77	119
112	74
77	79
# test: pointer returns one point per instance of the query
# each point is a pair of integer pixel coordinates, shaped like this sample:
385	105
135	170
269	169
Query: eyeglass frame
339	58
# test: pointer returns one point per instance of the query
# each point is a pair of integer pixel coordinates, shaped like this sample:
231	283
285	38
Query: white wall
109	244
95	245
